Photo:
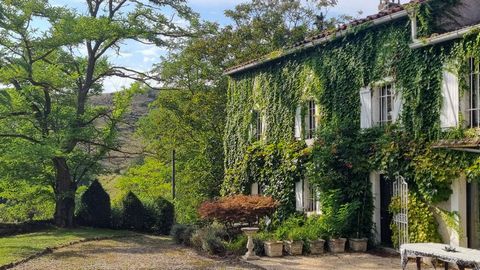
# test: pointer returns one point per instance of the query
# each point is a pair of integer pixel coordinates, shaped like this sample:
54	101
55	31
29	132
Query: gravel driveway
140	252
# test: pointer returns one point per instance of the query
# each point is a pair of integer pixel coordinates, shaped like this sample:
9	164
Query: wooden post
173	174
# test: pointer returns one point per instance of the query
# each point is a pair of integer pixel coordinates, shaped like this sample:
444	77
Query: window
258	125
311	198
311	123
386	101
306	196
473	105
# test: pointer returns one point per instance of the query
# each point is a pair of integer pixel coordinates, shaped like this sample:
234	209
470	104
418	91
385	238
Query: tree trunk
65	189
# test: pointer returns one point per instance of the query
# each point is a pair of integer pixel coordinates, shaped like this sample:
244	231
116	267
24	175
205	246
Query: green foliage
210	239
238	246
276	167
150	180
422	225
182	234
94	209
162	213
134	213
288	228
21	200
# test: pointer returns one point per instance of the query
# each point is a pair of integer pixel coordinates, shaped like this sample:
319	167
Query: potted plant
359	243
273	247
313	234
294	242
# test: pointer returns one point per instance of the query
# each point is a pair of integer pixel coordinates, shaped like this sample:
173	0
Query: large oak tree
52	60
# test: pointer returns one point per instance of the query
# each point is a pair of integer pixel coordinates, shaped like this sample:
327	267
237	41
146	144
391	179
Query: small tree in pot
336	219
314	235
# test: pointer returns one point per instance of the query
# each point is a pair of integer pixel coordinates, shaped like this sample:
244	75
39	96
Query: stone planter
317	247
358	245
294	248
337	245
273	248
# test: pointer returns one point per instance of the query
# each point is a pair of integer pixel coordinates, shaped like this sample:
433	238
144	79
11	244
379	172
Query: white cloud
115	84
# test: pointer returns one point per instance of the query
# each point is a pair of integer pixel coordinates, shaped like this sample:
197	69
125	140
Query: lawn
15	248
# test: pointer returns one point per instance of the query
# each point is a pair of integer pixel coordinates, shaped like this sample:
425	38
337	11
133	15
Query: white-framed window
311	120
381	104
258	125
385	103
307	197
473	98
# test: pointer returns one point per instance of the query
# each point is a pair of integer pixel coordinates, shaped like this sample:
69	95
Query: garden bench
462	257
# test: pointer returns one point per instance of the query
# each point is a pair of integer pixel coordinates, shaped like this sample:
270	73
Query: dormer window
386	101
473	103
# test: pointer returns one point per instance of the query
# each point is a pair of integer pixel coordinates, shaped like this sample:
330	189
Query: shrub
286	228
238	246
210	239
164	215
177	233
182	234
133	213
238	208
95	209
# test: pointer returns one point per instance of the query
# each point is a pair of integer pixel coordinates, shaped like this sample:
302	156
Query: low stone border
49	250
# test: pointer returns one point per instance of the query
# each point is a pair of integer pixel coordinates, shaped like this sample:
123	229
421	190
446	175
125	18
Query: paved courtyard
347	261
153	252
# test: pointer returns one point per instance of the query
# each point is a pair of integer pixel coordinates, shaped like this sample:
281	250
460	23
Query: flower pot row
295	248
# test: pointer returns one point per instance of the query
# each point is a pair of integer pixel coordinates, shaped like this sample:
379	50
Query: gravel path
140	252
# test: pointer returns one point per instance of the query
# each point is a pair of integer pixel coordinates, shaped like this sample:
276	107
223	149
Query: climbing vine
344	155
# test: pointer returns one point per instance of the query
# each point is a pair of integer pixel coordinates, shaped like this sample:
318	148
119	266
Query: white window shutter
397	106
299	196
298	122
306	195
254	189
449	116
366	108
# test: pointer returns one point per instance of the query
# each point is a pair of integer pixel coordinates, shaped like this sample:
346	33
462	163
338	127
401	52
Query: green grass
15	248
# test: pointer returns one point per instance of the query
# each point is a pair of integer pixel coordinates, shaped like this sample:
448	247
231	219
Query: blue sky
142	57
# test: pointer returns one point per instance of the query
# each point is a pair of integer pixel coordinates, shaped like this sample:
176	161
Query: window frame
311	120
386	103
473	94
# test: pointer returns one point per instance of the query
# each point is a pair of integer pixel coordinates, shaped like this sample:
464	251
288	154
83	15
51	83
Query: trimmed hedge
95	209
134	215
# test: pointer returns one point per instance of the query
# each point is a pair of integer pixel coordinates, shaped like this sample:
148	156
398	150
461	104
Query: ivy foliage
332	74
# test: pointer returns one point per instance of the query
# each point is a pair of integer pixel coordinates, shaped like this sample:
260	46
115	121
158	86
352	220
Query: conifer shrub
163	215
134	214
95	209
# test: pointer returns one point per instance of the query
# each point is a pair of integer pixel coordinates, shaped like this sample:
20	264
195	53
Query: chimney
388	4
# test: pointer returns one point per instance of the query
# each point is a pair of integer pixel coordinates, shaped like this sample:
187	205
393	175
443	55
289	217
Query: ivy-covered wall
344	155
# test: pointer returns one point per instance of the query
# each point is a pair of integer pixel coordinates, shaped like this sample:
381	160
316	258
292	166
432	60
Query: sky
143	57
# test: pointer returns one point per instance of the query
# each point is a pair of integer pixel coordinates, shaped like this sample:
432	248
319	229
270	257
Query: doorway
386	194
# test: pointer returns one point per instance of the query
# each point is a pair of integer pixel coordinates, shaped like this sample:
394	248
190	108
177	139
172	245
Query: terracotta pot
358	245
273	248
293	248
317	247
337	245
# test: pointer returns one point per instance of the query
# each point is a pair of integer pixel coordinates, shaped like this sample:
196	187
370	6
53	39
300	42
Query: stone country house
432	29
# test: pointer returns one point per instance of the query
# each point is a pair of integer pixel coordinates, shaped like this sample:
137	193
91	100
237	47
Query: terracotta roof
324	36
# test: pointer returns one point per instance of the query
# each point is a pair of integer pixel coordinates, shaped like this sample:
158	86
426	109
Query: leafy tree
50	73
189	116
95	209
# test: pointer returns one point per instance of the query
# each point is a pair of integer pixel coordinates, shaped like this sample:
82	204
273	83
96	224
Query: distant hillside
139	108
